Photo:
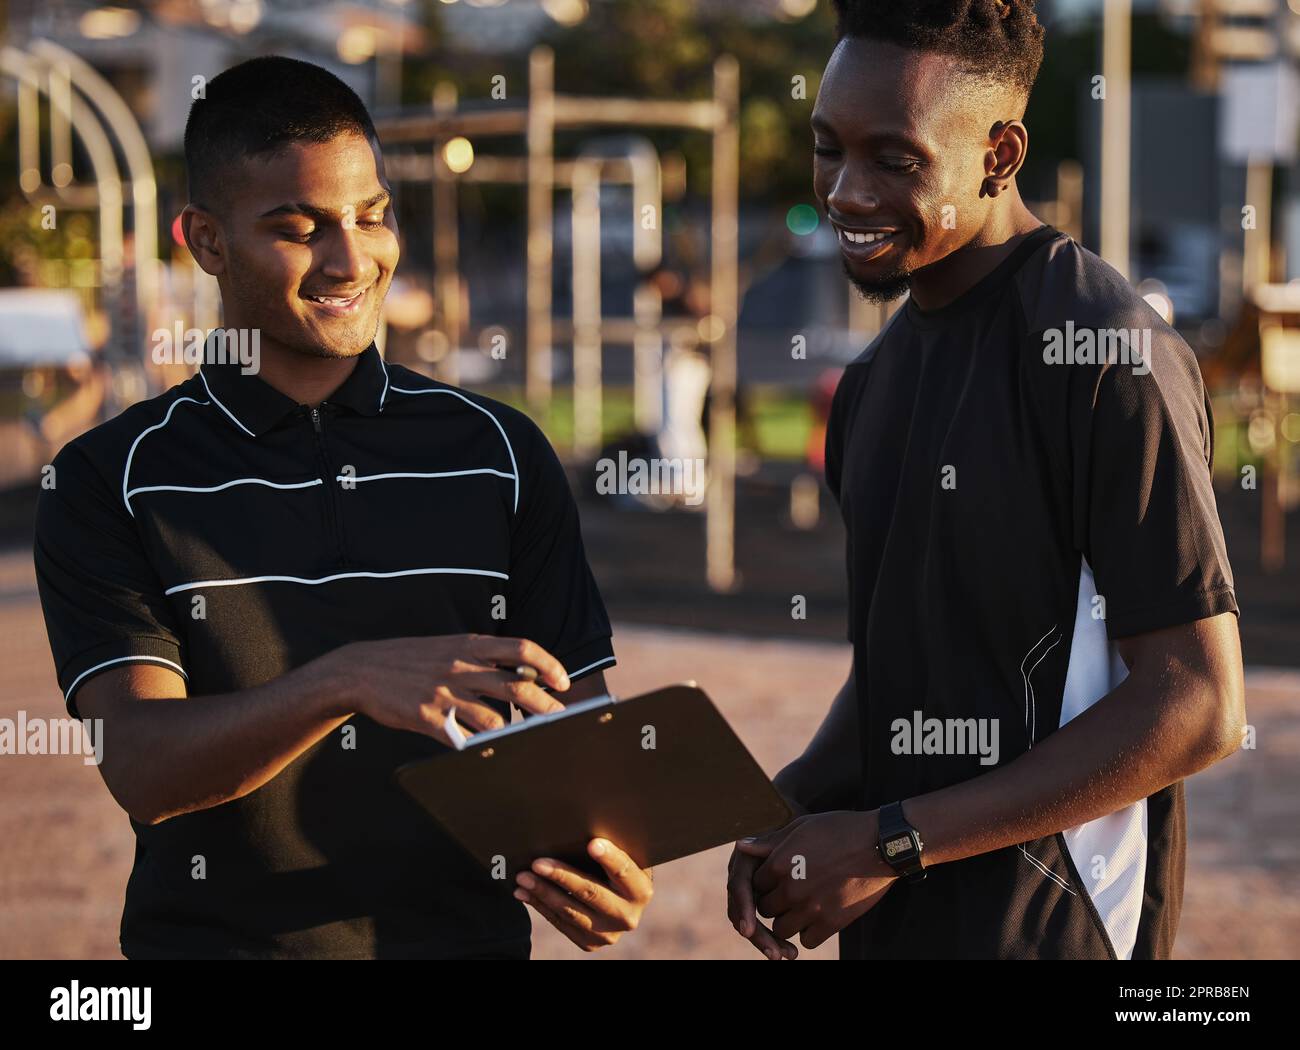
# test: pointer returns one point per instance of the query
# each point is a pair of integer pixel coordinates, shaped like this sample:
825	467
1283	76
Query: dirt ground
65	847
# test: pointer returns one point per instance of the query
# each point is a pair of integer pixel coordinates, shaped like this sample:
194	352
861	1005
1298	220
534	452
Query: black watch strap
899	844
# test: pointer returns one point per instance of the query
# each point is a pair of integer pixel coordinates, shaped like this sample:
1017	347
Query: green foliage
27	246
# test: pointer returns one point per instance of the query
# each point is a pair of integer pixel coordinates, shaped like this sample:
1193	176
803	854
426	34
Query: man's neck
307	379
940	283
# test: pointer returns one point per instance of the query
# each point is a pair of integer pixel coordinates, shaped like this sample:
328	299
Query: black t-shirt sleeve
1144	508
552	596
838	425
103	602
833	454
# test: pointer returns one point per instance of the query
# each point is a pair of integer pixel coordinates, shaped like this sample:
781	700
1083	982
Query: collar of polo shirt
254	406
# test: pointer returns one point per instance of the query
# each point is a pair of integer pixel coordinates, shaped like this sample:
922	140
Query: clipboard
662	775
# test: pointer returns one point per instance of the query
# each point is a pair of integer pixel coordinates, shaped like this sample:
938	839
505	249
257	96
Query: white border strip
126	472
226	485
456	393
330	579
1031	701
584	670
1047	871
122	660
438	474
223	407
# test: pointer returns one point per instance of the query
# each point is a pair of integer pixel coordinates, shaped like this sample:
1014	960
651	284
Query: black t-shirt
1013	506
221	530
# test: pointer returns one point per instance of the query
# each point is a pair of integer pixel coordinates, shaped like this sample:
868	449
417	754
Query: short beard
317	350
885	289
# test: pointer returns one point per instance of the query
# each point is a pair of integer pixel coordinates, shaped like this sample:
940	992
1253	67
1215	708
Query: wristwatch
899	844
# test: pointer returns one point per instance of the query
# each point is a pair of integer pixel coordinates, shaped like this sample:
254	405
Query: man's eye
900	167
373	221
300	236
825	151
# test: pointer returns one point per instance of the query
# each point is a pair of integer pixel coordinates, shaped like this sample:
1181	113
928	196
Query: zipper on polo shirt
330	486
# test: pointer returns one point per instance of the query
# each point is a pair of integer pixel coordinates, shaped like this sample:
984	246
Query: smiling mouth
339	306
866	245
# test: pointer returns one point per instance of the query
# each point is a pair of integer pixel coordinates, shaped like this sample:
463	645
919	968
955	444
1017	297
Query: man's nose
852	195
346	258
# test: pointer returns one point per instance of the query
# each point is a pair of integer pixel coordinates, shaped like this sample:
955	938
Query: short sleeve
102	599
838	425
834	452
552	598
1144	508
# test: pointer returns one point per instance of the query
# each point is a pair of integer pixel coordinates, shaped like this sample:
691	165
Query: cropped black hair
259	107
997	40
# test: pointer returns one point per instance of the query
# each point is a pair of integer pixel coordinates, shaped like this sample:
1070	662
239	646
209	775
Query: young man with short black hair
276	588
1035	560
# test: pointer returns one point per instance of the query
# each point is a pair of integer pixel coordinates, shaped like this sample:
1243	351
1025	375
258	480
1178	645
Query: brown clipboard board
662	775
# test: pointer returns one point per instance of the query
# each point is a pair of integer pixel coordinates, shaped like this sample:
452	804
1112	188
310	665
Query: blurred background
607	219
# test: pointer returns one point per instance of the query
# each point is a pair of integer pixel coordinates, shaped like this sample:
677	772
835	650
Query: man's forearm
1122	749
166	757
828	775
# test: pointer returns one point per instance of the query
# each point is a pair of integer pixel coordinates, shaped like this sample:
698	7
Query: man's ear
1008	147
204	239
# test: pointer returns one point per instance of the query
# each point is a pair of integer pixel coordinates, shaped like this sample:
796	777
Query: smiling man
1034	553
276	588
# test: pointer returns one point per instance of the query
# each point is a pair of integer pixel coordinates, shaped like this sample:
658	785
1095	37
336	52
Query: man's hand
741	909
417	683
818	874
592	913
740	891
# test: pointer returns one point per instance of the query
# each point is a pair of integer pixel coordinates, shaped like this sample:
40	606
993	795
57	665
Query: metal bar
724	307
423	127
586	308
541	181
586	111
144	187
647	358
570	111
1116	146
446	243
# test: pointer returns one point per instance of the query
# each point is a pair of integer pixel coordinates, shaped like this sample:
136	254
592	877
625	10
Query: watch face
898	847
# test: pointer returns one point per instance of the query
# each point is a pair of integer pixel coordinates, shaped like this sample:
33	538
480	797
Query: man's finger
771	946
763	845
817	934
775	903
475	715
791	923
506	685
769	875
759	845
512	652
568	908
740	910
581	887
740	894
577	936
627	877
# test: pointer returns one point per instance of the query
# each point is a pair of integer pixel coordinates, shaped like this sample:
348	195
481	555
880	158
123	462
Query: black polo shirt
1012	512
226	531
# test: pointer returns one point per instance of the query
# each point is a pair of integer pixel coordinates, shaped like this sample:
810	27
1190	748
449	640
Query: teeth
864	238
